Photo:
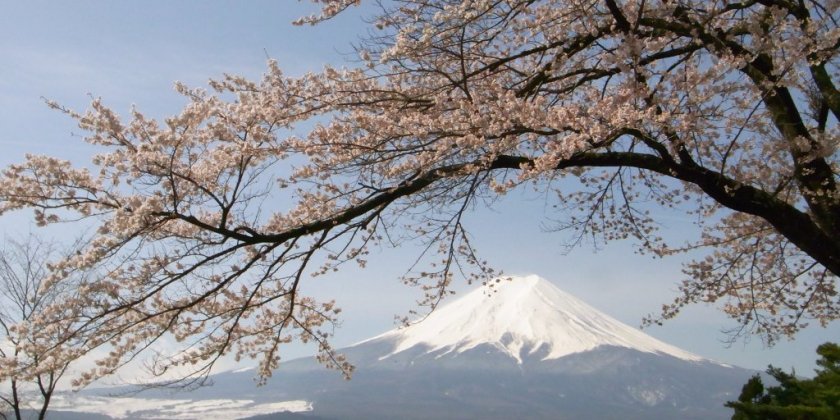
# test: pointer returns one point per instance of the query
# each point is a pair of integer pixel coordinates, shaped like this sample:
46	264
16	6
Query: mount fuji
520	349
524	318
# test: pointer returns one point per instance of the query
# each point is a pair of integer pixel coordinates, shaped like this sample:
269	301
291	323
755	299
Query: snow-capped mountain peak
480	356
522	316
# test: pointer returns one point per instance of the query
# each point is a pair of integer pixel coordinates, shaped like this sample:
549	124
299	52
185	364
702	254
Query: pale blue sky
132	52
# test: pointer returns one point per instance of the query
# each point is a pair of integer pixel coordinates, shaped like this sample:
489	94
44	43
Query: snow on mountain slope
525	315
173	408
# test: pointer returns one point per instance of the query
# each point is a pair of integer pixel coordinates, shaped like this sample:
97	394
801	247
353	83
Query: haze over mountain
520	349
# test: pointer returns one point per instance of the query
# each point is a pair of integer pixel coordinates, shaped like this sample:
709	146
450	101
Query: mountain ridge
523	314
527	350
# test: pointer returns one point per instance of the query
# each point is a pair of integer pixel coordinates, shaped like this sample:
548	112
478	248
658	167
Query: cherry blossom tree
23	269
210	220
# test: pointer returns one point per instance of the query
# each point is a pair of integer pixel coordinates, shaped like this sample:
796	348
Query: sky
131	53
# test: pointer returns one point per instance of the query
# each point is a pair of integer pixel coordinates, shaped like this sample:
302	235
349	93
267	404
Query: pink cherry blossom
208	221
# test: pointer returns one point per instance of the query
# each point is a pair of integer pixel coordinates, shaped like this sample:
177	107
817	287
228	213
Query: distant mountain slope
526	350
